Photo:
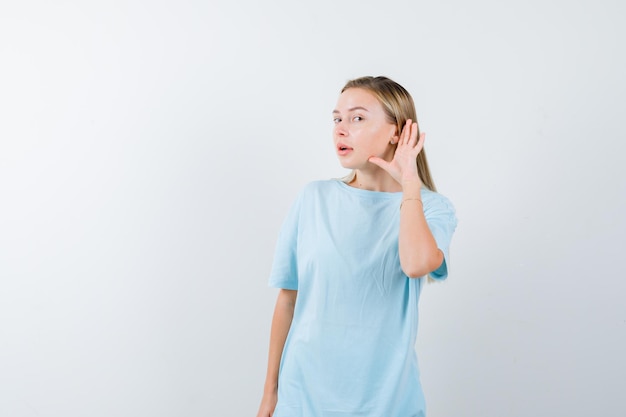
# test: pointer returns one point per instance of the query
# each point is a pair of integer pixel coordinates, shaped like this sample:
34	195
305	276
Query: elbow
287	298
415	272
417	268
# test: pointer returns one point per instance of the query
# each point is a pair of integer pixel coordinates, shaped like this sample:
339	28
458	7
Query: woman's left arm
419	254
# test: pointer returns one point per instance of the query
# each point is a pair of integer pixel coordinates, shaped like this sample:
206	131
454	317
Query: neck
378	180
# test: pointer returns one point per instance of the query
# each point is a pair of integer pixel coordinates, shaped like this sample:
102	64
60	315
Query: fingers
413	134
390	167
380	162
420	143
404	136
409	134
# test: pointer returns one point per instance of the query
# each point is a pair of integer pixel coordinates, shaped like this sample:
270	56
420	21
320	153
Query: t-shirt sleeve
284	273
441	218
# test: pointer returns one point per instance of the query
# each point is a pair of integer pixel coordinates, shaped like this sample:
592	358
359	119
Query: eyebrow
352	109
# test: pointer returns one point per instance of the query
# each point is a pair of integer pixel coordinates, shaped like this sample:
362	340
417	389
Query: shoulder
436	203
313	192
319	187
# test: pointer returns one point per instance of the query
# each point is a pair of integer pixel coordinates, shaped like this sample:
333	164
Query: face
361	130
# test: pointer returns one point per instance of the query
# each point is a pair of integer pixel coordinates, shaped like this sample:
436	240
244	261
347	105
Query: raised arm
419	254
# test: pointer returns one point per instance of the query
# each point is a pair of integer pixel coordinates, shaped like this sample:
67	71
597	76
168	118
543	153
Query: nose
340	129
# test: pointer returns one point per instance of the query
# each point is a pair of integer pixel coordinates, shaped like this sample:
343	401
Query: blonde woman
350	261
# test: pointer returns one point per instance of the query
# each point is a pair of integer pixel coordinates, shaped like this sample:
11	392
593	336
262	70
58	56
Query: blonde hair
398	106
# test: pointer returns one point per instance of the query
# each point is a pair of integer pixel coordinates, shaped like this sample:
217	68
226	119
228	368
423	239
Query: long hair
398	106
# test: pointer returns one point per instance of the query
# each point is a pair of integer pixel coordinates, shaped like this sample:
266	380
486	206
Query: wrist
411	187
411	179
412	200
270	388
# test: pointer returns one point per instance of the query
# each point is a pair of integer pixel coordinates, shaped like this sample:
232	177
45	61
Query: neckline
368	193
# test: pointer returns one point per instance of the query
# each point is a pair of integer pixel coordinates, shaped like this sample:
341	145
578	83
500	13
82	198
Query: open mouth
343	148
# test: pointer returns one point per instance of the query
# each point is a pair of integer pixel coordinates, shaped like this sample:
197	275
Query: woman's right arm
281	322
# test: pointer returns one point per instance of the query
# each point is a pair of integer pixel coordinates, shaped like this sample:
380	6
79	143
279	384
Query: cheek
384	136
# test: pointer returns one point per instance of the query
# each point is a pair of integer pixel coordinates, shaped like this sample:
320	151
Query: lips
343	149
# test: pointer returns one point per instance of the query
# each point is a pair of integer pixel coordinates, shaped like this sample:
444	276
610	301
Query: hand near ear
403	166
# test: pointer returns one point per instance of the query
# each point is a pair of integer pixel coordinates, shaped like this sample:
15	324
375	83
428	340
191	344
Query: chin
352	164
348	165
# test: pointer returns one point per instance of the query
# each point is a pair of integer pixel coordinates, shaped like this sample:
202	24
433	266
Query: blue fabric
351	346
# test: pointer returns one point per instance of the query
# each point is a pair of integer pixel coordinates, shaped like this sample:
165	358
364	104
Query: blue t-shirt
351	346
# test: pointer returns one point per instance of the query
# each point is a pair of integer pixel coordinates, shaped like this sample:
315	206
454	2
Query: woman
350	262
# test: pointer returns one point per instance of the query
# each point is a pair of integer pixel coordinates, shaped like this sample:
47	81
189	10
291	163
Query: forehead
358	97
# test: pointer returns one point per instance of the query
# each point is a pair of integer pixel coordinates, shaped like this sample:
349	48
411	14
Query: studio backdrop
149	151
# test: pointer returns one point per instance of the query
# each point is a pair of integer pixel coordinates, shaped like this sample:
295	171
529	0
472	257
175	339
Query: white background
150	149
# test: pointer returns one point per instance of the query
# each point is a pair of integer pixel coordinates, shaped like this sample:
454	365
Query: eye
336	120
357	118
